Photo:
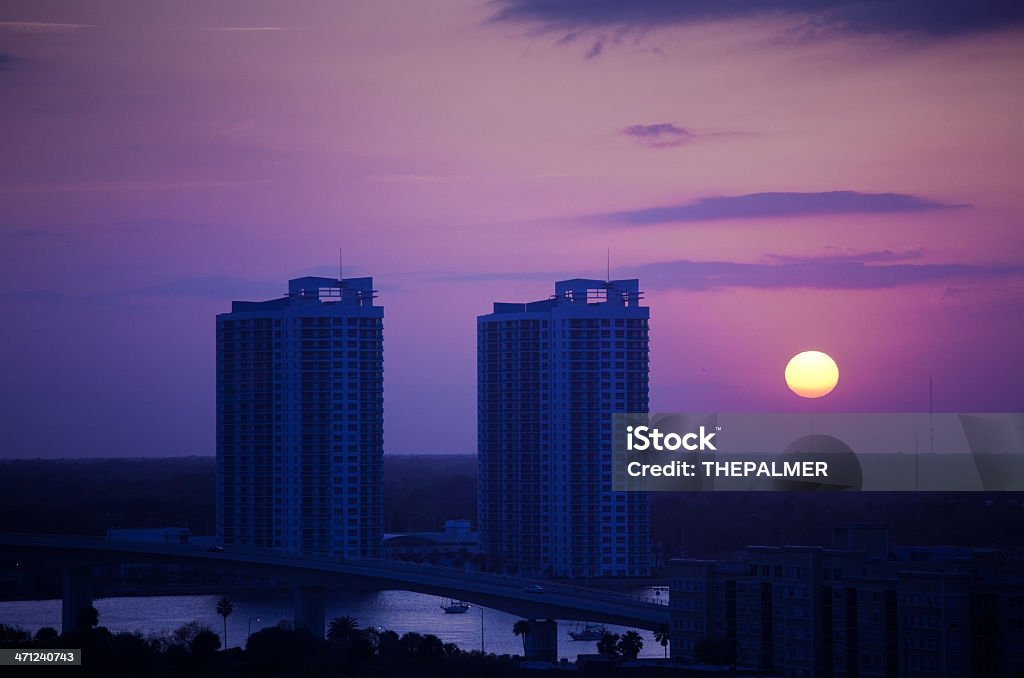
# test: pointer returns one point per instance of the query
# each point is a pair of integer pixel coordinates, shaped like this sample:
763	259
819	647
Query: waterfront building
860	608
300	420
550	374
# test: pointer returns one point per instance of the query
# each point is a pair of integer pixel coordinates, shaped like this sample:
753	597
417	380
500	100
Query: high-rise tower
549	376
300	420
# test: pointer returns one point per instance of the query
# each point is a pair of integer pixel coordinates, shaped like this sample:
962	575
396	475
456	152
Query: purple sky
845	179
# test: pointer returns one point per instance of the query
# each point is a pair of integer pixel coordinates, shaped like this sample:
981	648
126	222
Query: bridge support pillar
542	640
76	593
309	609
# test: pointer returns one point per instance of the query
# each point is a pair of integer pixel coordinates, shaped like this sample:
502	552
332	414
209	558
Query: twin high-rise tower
300	426
549	376
300	420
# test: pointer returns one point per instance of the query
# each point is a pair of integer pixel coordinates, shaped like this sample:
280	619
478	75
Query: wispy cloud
32	295
487	276
920	17
655	131
42	27
841	275
841	272
415	178
250	29
126	185
31	233
599	41
836	255
211	287
659	135
192	287
1006	298
780	204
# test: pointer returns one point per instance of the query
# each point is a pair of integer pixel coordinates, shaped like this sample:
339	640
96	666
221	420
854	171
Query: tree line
421	492
195	649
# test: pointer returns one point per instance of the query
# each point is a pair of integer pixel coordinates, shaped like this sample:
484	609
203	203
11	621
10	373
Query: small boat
588	632
455	607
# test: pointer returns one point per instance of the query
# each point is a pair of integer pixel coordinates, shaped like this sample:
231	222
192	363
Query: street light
251	620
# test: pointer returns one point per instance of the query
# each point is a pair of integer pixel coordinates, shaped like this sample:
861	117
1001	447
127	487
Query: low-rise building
454	546
859	608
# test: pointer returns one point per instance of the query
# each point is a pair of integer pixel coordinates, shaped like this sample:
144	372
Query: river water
400	611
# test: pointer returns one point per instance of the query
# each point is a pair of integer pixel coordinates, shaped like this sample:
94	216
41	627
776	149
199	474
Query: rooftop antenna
608	275
917	460
341	267
931	417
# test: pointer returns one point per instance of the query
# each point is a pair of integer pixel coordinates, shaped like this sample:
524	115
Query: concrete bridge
312	576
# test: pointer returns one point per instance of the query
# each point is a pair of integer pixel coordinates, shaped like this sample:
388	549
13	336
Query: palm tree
410	643
522	628
609	643
224	609
662	636
342	628
47	637
431	646
205	643
630	644
389	644
88	617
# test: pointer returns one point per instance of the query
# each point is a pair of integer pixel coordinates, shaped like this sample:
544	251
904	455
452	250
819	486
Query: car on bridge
534	588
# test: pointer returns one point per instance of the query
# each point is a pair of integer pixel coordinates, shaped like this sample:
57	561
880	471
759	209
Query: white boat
455	607
587	632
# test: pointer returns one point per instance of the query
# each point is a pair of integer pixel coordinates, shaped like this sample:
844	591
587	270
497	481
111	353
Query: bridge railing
481	577
547	584
376	563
